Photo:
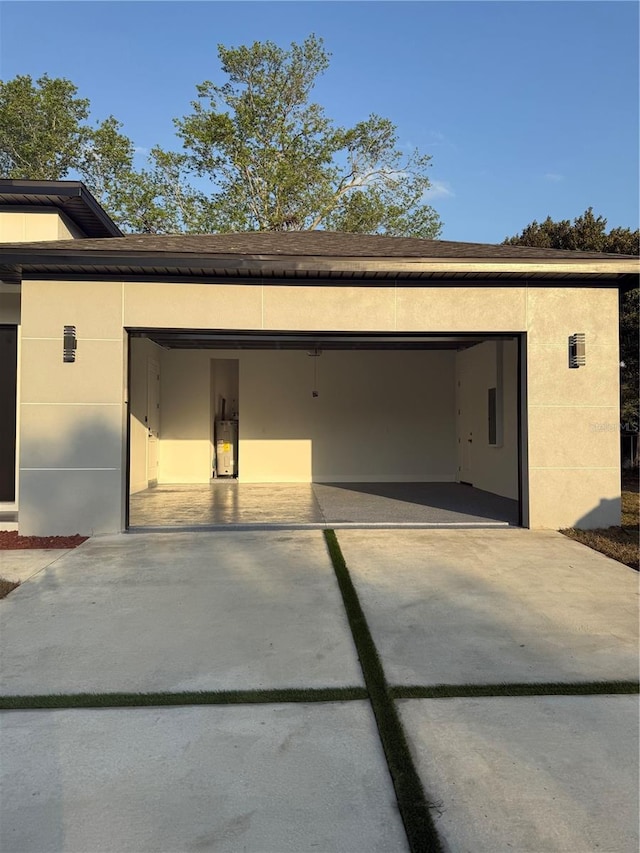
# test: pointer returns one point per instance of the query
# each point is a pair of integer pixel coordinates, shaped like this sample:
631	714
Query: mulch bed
11	541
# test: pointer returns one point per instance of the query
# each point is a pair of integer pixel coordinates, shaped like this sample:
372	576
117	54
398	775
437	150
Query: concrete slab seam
57	701
412	801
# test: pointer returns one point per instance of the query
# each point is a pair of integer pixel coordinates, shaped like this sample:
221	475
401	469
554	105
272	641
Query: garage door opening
323	430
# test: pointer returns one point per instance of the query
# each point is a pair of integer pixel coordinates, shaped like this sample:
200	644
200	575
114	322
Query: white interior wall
224	386
383	415
186	450
141	350
492	468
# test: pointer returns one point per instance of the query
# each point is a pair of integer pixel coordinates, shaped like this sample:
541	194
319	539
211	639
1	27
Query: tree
46	136
43	130
274	160
629	373
256	154
588	234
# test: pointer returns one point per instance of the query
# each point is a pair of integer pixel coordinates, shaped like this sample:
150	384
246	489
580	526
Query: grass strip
554	688
204	697
412	802
7	586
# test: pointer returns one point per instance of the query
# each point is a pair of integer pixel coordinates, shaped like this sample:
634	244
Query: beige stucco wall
71	418
32	224
72	431
573	414
343	308
573	441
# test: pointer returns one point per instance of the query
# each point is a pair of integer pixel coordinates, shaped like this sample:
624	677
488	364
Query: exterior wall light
577	353
69	344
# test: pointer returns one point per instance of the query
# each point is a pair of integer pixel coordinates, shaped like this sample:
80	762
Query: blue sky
528	108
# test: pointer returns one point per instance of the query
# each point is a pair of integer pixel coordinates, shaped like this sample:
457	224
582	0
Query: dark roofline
306	255
71	198
325	245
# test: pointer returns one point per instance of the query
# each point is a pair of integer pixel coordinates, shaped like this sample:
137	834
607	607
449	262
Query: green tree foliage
275	161
43	127
588	233
629	374
257	154
46	136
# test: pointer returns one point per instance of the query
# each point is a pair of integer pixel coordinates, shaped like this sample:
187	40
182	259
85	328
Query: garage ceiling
205	339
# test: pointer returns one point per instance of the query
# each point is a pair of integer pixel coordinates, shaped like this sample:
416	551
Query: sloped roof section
309	255
311	244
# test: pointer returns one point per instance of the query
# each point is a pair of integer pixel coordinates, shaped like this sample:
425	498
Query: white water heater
226	444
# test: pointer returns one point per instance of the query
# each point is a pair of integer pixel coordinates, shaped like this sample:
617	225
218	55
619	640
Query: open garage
300	377
418	430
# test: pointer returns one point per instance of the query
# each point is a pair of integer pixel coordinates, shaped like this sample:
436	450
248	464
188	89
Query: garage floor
230	503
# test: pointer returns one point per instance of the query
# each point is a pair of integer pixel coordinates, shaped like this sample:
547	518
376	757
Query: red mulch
11	541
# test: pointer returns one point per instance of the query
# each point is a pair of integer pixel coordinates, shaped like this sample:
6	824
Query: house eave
33	262
70	198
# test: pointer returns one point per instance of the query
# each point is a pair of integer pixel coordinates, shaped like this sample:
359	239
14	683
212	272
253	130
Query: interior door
465	431
153	419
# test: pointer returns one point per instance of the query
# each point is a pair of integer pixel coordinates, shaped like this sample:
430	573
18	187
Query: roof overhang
70	198
49	263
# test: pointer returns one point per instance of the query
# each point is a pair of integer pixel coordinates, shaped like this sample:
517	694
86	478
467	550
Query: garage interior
281	429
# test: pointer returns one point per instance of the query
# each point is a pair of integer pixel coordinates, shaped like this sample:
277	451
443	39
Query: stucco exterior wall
573	414
342	308
71	423
32	224
72	430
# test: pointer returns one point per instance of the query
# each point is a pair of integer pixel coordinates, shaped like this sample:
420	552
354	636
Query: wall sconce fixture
577	354
69	344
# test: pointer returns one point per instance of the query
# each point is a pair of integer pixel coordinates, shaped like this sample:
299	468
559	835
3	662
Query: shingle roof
306	244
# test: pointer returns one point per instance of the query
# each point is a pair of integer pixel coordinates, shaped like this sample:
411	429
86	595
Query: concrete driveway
179	612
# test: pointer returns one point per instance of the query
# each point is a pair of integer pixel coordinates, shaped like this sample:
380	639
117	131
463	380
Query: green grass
410	794
335	694
215	697
7	586
620	543
450	691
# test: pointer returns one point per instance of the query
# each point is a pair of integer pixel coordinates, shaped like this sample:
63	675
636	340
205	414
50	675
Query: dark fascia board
56	193
74	255
622	283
